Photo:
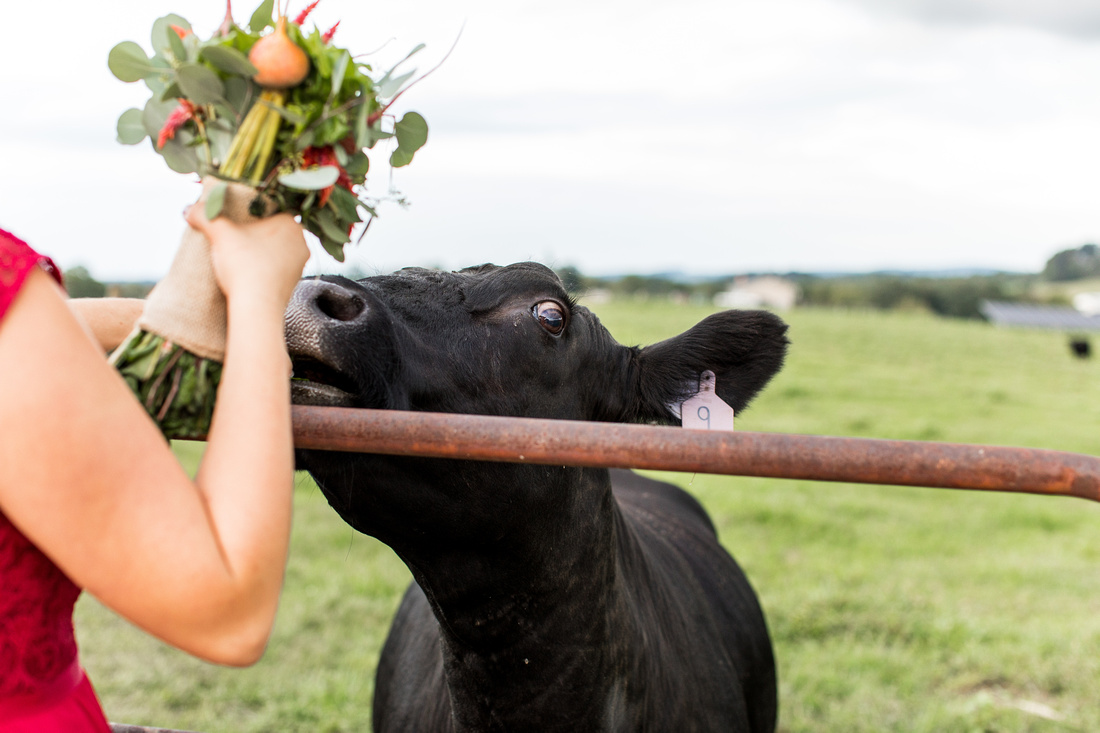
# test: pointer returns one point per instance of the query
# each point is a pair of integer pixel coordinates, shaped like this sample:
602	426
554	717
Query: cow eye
551	316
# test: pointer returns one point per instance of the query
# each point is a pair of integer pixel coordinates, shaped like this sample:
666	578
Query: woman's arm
90	480
110	320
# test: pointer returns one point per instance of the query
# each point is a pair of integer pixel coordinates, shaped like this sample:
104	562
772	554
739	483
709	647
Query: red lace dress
42	687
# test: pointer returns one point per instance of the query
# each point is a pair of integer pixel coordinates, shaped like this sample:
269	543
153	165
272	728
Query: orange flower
178	117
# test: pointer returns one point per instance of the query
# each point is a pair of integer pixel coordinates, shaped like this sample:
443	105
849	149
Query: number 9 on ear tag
706	410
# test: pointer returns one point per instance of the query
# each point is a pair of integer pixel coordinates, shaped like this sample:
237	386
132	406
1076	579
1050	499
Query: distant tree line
644	286
1073	264
79	283
958	297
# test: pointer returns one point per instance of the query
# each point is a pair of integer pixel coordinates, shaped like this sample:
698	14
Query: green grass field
891	609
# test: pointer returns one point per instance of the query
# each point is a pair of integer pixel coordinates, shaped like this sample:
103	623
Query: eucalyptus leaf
215	200
219	139
156	114
229	60
417	49
238	93
412	133
199	84
373	134
339	69
128	62
390	86
171	92
162	43
262	17
131	130
179	155
175	43
311	179
400	158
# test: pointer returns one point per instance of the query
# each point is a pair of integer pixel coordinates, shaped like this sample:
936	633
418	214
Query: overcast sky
707	136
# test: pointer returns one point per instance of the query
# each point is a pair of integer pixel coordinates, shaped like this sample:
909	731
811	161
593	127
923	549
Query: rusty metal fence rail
771	455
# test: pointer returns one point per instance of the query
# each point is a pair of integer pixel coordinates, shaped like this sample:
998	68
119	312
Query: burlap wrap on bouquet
172	360
187	307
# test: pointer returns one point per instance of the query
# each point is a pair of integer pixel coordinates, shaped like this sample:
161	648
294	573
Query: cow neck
532	641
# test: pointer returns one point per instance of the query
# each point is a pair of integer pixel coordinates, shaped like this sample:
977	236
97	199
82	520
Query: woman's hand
261	259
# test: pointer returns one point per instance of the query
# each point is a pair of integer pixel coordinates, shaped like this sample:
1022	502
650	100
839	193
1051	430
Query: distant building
1030	315
766	291
1087	303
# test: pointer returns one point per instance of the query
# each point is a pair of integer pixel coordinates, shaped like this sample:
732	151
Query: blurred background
702	137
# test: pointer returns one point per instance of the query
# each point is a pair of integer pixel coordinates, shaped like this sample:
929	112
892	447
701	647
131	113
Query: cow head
493	341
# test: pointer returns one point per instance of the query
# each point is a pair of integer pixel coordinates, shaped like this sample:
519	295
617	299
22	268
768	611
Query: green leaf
335	249
417	49
362	130
179	52
262	17
345	204
219	134
358	165
311	179
400	158
170	93
339	69
162	42
128	62
156	114
330	228
389	86
180	155
237	94
200	84
131	129
412	133
215	200
304	141
229	60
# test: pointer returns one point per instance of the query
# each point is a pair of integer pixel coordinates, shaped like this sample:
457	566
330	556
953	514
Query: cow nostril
340	305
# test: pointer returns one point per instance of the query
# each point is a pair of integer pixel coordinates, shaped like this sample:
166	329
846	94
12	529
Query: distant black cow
546	598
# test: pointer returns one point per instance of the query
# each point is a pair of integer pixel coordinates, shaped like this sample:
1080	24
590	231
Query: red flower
305	13
330	33
313	156
179	116
180	31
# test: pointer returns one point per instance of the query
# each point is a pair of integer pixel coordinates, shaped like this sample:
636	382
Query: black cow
546	598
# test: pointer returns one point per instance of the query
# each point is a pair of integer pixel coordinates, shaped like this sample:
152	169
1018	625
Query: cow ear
744	349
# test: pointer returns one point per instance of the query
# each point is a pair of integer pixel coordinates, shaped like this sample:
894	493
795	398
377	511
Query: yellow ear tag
706	410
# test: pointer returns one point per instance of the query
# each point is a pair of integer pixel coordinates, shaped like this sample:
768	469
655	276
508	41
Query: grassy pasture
892	609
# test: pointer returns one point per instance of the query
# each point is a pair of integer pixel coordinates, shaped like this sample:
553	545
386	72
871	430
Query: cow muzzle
322	315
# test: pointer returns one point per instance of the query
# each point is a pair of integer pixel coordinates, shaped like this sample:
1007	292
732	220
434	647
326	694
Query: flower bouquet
273	118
